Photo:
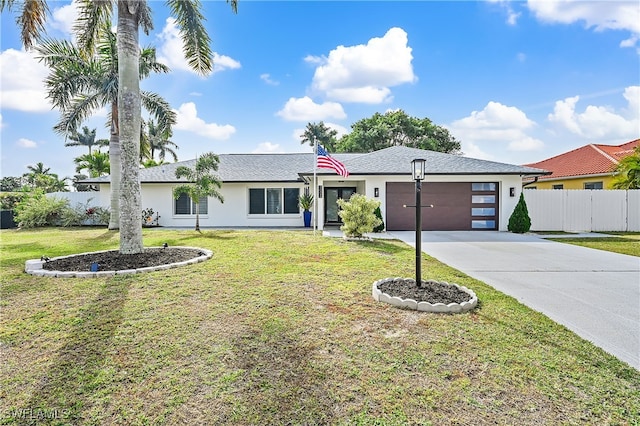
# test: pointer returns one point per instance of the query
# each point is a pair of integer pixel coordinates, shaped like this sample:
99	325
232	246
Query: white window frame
192	210
281	207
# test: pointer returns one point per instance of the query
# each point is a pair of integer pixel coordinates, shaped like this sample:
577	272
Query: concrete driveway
594	293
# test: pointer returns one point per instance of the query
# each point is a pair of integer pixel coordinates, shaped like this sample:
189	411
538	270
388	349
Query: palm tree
96	164
80	85
39	169
86	138
203	182
157	139
319	133
628	170
132	14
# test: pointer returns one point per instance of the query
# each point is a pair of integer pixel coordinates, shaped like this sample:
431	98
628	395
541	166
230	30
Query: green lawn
619	242
279	327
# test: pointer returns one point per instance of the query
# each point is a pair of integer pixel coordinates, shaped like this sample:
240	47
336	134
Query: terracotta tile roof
592	159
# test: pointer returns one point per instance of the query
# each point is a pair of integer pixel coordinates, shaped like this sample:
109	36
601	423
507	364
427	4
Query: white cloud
304	109
21	82
26	143
64	18
364	73
1	122
267	148
188	120
512	16
267	79
599	122
495	123
171	53
315	60
601	15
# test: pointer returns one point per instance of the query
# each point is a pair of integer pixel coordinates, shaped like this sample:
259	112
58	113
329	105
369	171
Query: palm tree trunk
198	216
129	109
114	161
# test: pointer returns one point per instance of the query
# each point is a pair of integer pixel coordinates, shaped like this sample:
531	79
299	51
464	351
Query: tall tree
132	14
397	128
628	171
80	84
86	138
319	133
203	182
96	164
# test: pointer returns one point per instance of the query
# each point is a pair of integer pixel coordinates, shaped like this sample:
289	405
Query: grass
279	327
618	242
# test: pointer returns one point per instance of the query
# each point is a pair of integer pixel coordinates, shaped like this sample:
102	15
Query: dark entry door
331	196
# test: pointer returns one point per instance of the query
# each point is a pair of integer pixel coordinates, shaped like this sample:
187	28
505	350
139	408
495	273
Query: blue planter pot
307	218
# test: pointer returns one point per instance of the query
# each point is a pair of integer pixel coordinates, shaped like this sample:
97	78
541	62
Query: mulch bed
430	291
114	261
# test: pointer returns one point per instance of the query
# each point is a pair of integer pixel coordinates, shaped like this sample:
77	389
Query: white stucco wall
234	212
506	202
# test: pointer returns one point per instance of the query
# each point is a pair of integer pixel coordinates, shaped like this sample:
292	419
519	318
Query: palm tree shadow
78	363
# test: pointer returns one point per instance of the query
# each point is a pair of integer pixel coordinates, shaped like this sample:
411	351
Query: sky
514	81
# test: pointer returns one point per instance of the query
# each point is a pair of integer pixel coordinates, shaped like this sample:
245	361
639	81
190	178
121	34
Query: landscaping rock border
453	308
34	266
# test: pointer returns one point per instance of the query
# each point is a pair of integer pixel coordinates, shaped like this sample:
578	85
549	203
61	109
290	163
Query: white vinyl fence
583	210
91	198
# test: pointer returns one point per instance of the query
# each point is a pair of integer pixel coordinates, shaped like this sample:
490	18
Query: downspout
535	179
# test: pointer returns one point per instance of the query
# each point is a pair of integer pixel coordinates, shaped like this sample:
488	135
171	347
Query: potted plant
305	202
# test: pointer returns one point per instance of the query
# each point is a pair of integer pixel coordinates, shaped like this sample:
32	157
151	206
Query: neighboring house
262	190
588	167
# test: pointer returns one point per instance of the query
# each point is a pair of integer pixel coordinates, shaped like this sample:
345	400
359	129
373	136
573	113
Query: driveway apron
594	293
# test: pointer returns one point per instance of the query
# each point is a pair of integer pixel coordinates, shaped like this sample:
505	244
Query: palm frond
92	15
195	39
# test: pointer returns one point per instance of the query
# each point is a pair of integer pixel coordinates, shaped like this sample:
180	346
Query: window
483	199
274	201
483	186
483	224
559	186
484	211
185	206
593	185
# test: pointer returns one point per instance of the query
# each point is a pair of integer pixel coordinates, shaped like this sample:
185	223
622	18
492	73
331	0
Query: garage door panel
451	211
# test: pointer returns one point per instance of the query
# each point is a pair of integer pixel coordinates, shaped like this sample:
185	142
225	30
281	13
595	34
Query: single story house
588	167
262	190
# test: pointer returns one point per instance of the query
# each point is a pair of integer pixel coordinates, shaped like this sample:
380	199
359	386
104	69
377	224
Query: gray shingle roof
288	167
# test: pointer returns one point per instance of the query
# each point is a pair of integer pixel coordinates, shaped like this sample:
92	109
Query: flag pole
315	186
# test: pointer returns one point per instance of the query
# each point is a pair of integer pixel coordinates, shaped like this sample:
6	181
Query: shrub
358	215
520	222
9	200
39	210
84	214
378	214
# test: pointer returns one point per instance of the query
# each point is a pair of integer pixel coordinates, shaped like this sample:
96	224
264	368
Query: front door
331	196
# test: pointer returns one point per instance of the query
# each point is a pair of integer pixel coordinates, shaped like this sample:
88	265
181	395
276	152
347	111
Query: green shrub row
38	210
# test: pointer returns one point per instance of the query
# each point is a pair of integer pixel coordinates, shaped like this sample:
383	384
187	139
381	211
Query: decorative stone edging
379	296
34	266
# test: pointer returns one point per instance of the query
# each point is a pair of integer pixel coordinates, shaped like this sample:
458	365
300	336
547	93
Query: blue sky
514	82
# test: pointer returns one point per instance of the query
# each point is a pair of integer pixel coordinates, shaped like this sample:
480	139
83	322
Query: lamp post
418	171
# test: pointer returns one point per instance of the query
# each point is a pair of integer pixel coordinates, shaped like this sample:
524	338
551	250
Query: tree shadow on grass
65	392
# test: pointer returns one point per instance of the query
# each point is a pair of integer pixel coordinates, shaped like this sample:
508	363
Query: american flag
325	161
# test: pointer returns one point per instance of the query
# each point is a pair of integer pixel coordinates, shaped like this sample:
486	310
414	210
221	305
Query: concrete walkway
594	293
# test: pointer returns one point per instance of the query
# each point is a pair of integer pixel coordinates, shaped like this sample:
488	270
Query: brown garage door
457	206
